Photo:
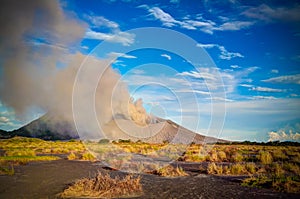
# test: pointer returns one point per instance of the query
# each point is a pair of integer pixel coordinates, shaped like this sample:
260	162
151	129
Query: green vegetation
103	186
21	150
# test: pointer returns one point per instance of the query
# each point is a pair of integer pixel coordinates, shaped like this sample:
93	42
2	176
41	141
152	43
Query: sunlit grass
267	166
104	186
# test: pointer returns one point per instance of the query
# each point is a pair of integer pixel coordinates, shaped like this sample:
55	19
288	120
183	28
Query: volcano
161	130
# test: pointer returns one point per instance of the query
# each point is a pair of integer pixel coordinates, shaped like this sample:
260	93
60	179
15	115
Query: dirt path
47	179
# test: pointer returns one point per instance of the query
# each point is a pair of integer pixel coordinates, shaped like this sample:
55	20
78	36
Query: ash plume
35	36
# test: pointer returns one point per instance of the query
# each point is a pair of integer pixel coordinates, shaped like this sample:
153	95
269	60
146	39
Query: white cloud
120	37
283	136
266	89
193	91
200	75
220	99
246	85
224	53
264	97
164	17
206	45
286	79
85	47
100	21
166	56
234	25
116	54
275	71
138	72
235	66
216	79
228	55
206	26
4	119
114	35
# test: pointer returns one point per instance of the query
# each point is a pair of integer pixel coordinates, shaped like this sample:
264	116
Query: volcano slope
49	127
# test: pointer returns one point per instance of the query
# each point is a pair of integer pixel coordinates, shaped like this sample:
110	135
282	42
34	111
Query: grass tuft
105	187
170	171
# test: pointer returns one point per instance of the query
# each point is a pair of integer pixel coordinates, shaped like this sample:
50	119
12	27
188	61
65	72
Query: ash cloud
35	36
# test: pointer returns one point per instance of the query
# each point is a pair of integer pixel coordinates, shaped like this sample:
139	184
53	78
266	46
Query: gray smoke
35	36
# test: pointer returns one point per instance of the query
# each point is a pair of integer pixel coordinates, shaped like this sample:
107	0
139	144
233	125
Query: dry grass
170	171
265	157
103	186
233	169
6	168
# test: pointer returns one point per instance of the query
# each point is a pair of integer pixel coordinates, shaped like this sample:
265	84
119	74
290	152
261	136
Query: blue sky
254	50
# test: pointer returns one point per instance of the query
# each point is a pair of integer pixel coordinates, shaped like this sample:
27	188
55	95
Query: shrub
211	168
277	170
7	169
265	157
213	156
103	186
88	156
237	157
237	169
104	141
72	156
222	156
294	168
279	155
214	169
251	167
284	184
170	171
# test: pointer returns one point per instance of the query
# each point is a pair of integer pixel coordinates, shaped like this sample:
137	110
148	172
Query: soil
47	179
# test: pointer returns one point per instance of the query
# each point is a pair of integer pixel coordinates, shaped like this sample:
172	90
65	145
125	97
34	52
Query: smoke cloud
35	36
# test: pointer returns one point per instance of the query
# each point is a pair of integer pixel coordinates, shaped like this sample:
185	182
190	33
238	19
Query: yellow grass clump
104	186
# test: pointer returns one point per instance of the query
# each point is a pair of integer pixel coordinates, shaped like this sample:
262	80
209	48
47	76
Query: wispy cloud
193	91
275	71
215	80
235	25
138	72
116	54
175	1
166	56
204	25
266	89
100	21
120	37
164	17
234	66
286	79
224	53
269	14
264	97
114	35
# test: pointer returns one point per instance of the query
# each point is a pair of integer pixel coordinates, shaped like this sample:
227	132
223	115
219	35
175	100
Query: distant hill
49	127
5	134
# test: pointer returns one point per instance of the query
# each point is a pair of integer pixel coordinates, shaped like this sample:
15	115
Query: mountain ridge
49	127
